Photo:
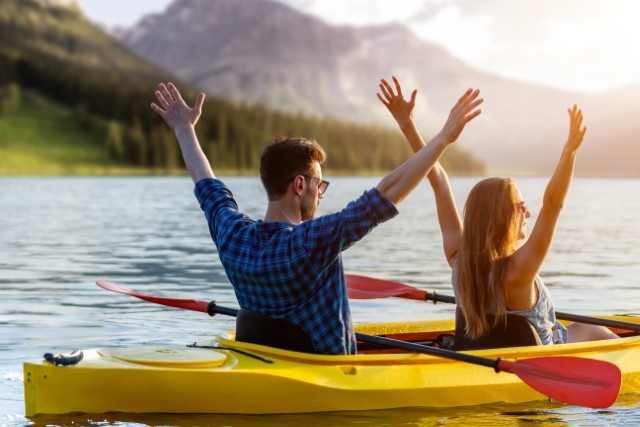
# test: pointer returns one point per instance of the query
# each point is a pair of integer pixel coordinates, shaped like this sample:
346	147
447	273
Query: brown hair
283	159
488	240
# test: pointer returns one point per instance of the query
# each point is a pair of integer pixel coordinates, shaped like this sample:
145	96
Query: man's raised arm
182	119
404	179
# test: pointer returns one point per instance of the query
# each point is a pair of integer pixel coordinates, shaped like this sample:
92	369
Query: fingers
472	116
386	90
576	117
470	96
463	99
157	109
384	101
398	87
161	99
199	101
169	94
389	95
475	104
162	88
467	104
576	130
414	94
174	92
163	95
575	112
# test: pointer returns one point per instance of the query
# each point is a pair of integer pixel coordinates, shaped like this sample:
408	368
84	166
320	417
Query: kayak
230	377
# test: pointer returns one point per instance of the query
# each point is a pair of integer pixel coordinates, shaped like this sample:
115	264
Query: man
289	264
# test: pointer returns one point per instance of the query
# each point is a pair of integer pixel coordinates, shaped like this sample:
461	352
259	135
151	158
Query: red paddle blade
363	287
188	304
574	380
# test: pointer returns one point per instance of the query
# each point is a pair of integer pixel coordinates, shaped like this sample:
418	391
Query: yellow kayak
225	376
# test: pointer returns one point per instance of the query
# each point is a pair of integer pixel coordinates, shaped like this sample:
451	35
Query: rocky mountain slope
261	51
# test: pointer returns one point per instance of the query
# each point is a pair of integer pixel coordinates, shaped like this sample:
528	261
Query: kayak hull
241	378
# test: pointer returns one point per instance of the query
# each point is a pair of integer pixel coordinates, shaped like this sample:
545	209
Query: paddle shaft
363	287
214	309
435	351
598	321
435	297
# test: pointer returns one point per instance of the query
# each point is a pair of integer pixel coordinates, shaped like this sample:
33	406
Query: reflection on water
61	235
624	413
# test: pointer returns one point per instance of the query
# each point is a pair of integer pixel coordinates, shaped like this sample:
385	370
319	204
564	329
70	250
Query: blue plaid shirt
293	271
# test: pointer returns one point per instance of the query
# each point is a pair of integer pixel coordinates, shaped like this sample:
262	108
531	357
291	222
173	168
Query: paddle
187	304
573	380
363	287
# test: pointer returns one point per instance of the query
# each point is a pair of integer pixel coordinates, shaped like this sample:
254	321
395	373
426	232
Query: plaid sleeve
220	209
326	236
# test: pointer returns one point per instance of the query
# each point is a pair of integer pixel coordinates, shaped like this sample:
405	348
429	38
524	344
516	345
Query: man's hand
173	109
182	119
462	113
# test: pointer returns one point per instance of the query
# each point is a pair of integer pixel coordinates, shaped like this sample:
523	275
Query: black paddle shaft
214	309
434	351
629	326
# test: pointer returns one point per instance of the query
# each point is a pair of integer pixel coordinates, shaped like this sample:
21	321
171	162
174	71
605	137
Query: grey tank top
542	315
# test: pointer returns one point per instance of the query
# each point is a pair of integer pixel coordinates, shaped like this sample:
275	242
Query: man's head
291	173
285	158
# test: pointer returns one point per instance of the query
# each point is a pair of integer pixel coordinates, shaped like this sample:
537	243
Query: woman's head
491	215
493	224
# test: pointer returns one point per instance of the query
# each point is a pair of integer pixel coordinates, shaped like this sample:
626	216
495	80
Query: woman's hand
400	109
576	130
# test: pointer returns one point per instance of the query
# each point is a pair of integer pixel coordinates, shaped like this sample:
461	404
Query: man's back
293	271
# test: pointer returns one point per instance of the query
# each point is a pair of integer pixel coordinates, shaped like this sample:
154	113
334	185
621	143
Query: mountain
50	50
261	51
54	32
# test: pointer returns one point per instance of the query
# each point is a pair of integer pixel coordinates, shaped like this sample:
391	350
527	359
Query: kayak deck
225	376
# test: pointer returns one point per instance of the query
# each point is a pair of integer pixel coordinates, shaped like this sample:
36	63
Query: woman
493	271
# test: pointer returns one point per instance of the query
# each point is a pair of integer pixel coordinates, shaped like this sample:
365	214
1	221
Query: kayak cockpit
257	328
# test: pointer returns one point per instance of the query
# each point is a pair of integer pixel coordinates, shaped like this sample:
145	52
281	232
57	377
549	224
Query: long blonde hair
488	240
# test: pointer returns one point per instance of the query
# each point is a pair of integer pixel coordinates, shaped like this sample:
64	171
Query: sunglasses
322	187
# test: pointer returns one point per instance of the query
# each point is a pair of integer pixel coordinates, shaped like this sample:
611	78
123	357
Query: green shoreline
44	139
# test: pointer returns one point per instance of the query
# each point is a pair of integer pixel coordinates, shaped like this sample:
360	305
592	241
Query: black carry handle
72	358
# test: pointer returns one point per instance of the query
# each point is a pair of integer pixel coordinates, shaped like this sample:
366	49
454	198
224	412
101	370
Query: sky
589	45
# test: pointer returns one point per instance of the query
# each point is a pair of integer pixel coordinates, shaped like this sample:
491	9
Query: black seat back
257	328
515	332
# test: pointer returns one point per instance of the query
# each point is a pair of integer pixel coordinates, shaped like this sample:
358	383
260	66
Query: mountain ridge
265	52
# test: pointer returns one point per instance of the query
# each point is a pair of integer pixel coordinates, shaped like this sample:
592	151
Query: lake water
60	235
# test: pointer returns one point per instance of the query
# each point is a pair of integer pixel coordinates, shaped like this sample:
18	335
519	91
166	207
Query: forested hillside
59	54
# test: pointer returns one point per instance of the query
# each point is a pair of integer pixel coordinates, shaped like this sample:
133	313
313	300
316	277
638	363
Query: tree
115	140
10	99
136	143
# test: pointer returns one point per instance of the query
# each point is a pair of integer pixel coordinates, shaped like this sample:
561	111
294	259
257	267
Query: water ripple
149	234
